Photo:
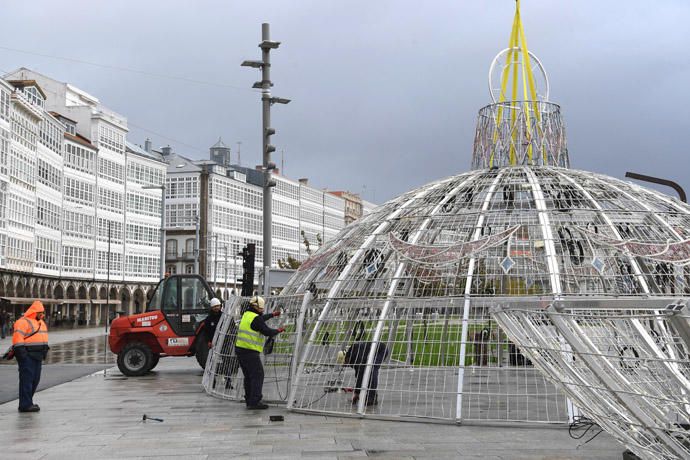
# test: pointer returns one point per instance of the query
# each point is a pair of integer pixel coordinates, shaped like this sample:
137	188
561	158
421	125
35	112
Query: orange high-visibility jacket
26	326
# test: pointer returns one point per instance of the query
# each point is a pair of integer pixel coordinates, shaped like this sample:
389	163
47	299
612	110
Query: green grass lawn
429	347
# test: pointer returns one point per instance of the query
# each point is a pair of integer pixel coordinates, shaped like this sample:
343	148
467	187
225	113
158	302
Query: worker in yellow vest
248	347
30	345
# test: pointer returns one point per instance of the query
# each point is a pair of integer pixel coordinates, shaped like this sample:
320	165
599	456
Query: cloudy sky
384	93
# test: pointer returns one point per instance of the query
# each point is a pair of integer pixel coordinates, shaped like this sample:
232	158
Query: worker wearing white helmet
248	347
211	321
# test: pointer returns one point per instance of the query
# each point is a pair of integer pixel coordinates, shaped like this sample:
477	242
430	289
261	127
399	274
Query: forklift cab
184	301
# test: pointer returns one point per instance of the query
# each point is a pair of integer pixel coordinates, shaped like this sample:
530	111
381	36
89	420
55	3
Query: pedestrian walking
356	357
248	347
30	345
3	324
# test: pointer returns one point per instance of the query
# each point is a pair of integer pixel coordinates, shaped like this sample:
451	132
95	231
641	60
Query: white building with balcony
226	202
80	225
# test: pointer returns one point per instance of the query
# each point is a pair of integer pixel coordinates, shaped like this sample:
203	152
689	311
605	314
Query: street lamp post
196	244
162	189
215	261
268	166
225	289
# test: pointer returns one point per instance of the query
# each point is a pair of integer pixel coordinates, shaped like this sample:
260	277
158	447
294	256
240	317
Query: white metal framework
624	362
411	285
421	274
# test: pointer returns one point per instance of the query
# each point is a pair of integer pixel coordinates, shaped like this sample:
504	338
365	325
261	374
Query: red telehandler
170	326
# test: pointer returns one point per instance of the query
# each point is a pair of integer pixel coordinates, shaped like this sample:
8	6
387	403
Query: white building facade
227	201
74	207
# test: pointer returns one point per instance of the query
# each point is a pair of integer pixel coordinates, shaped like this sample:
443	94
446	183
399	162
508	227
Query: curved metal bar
657	180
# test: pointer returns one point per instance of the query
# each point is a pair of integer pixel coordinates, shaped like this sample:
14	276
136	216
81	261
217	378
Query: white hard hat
258	301
215	302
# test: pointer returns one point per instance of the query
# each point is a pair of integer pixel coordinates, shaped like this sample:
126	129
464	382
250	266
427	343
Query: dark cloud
385	93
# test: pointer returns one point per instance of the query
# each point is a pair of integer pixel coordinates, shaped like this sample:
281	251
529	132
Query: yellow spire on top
517	47
517	72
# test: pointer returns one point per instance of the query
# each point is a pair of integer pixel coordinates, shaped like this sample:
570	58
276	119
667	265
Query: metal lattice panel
624	362
520	133
421	272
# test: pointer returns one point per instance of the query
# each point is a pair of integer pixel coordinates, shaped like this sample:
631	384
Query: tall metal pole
215	262
225	289
234	270
162	231
107	303
196	244
268	192
267	100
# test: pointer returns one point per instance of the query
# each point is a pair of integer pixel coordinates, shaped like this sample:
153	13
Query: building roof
133	148
79	139
219	145
179	164
59	115
25	83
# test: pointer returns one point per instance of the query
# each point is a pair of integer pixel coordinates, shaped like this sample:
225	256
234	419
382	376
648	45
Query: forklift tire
201	353
135	359
154	360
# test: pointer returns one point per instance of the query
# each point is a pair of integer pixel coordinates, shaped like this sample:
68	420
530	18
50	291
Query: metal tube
268	193
196	244
657	180
215	262
225	289
162	231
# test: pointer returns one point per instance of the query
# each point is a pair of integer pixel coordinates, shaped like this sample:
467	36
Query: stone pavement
96	418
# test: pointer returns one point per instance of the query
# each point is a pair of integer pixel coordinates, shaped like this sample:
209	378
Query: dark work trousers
253	370
373	381
29	376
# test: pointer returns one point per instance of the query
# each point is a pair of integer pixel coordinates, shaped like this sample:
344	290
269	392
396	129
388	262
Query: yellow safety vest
246	336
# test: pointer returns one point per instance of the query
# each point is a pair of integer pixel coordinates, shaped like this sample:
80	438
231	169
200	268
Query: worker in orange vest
30	345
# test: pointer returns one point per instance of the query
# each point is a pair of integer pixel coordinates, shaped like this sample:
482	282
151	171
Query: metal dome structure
422	273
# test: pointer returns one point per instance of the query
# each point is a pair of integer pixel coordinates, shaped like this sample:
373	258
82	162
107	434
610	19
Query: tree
290	263
307	244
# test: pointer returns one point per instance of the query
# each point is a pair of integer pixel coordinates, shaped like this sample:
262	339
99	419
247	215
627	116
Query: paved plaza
97	417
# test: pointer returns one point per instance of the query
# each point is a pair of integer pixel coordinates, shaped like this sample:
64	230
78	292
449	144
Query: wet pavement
91	414
97	417
73	353
92	350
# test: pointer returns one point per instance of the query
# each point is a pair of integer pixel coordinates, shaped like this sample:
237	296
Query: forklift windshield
184	300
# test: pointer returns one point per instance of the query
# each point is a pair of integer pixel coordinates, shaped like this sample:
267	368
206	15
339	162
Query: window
24	128
189	269
110	170
144	174
51	134
189	246
111	138
171	269
49	175
79	158
79	191
48	214
171	248
4	104
76	259
170	300
110	200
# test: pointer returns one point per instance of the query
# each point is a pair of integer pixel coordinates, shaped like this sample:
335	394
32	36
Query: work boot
258	406
32	408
